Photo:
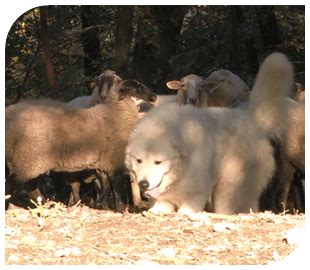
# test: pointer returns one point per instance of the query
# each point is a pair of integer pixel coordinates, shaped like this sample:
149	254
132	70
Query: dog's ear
174	85
181	151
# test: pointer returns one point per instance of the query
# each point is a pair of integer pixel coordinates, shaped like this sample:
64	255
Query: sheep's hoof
120	207
7	203
101	206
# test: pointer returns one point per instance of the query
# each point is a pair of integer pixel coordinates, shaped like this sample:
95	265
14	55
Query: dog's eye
139	160
157	162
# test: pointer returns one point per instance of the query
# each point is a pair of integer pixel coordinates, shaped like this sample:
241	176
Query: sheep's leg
283	186
102	190
10	185
75	193
119	206
295	199
61	184
301	190
297	194
33	190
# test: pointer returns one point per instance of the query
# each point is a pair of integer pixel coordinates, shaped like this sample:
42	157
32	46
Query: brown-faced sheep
191	90
228	90
45	135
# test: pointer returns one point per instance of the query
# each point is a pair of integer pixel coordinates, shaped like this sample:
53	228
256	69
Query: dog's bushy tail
268	104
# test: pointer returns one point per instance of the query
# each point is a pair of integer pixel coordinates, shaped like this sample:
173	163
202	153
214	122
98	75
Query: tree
251	54
235	38
90	40
158	34
123	38
48	55
268	25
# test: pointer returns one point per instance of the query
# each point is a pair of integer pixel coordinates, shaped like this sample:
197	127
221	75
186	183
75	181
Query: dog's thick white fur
189	155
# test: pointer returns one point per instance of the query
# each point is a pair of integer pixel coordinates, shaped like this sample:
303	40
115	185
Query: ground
55	234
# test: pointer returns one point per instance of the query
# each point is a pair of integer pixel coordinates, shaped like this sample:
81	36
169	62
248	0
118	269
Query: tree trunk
123	38
156	43
268	26
169	20
249	42
235	40
90	41
47	52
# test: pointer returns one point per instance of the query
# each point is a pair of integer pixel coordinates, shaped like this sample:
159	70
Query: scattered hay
80	235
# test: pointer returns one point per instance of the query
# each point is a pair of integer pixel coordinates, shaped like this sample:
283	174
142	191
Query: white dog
183	156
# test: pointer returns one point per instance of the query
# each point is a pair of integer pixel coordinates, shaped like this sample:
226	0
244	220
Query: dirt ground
55	234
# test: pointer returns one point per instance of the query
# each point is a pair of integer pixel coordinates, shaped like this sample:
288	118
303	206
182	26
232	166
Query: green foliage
162	48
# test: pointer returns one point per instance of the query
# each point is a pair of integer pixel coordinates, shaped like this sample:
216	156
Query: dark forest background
56	51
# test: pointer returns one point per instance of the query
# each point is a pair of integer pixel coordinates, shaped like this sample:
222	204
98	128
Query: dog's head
151	160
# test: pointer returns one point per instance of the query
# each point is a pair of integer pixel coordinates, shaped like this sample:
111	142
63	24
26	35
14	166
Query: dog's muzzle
154	192
144	185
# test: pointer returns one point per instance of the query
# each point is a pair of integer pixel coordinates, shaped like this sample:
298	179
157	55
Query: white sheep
191	90
225	89
85	101
44	135
298	92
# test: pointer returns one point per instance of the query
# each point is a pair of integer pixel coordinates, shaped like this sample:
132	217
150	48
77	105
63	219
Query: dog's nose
193	100
144	185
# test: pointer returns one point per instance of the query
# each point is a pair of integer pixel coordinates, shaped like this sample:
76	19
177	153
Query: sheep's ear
99	82
211	87
174	85
122	93
92	84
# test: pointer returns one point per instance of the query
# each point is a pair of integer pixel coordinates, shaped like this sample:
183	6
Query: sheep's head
225	89
191	89
137	91
298	92
107	81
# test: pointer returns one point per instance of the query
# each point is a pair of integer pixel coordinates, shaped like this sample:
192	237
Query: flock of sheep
85	139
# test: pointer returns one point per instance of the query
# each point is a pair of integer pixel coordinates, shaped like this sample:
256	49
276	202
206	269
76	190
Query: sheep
93	99
191	90
226	89
144	107
298	92
85	101
44	135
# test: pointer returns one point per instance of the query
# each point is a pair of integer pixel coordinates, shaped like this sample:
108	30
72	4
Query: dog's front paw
194	216
162	208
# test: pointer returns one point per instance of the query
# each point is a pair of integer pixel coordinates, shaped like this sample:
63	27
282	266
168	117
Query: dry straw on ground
81	235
